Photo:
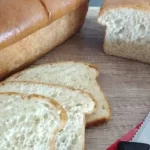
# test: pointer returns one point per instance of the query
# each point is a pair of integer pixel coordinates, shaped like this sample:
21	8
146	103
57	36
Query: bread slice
29	122
127	28
76	103
73	74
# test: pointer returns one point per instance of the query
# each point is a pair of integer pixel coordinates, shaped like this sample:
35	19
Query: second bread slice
76	103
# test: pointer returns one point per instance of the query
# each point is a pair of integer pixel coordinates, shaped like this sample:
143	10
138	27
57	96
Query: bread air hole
118	22
37	120
22	138
8	145
22	118
121	30
45	116
29	133
103	107
46	105
142	28
13	123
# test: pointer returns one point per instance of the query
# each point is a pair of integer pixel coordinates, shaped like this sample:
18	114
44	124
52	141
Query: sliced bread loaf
76	103
29	122
127	28
73	74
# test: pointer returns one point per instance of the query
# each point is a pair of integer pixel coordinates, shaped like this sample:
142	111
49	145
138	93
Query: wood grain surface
125	83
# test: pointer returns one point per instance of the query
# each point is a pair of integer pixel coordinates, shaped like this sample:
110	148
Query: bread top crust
20	18
135	4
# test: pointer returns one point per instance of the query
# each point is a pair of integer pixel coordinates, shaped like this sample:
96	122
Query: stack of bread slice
78	98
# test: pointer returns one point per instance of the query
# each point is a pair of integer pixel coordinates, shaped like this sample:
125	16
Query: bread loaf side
25	51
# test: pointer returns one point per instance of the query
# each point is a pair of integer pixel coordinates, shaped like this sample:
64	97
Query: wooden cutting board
125	83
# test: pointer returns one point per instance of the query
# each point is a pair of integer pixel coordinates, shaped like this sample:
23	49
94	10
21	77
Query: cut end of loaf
127	33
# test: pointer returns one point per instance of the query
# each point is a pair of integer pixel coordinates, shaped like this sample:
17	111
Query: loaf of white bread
127	28
73	86
31	28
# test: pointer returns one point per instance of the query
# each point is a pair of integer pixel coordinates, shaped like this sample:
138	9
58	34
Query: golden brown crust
135	4
104	120
97	122
19	19
63	114
100	121
59	8
30	16
29	49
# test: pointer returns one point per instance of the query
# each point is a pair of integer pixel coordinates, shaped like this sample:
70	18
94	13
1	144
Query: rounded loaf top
20	18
